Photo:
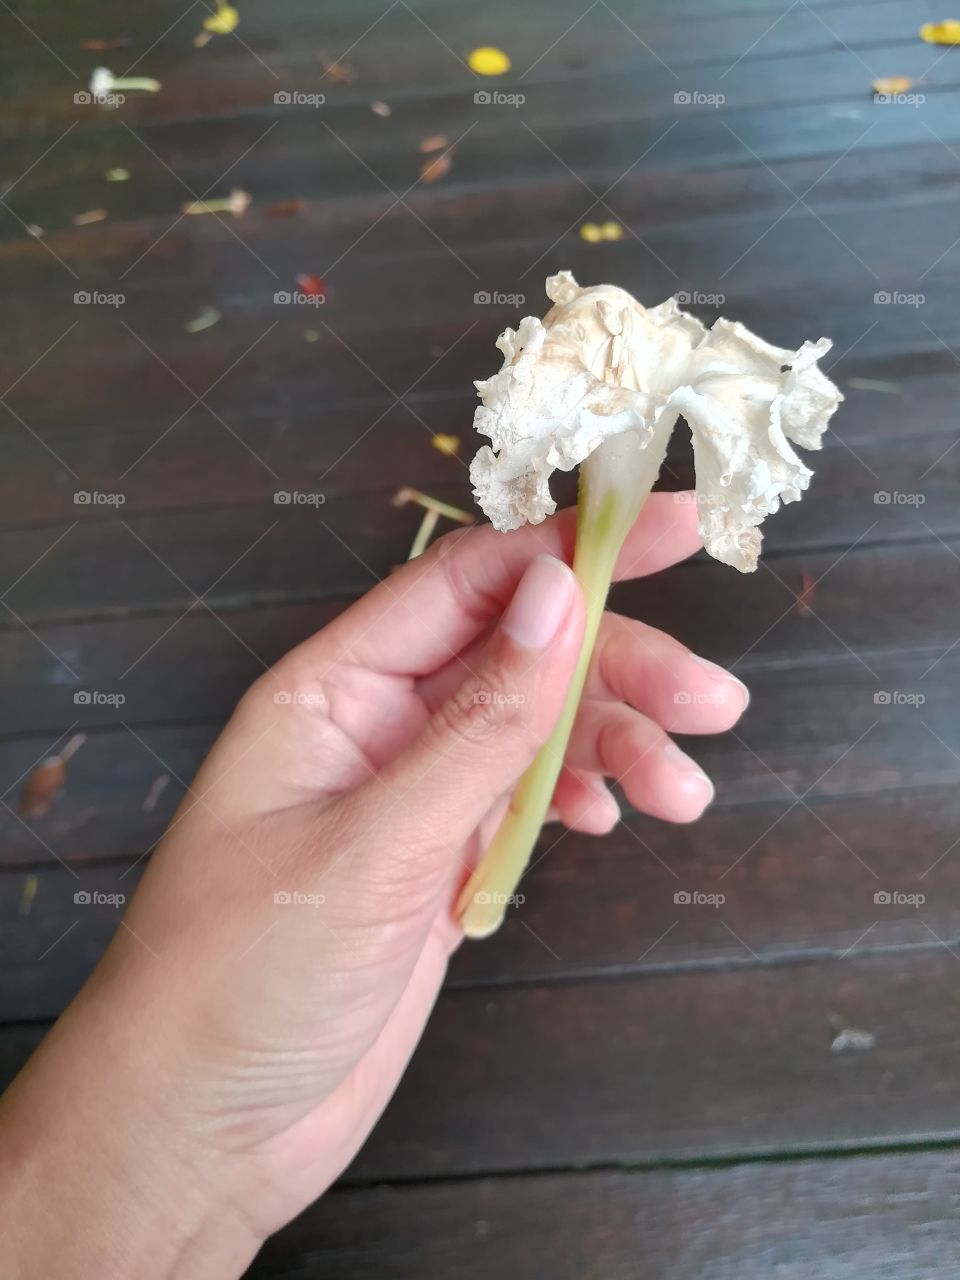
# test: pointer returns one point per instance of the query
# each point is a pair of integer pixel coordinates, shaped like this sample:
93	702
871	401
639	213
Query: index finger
433	606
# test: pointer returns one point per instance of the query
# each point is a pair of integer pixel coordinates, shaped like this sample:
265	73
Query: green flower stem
603	522
144	84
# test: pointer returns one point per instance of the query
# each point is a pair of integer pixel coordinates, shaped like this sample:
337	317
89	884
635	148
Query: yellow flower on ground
593	233
487	61
946	32
892	84
445	444
223	21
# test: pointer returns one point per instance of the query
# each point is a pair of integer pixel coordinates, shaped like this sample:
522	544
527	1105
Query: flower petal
744	404
543	411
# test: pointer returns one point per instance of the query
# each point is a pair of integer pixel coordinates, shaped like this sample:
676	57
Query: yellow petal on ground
892	84
448	445
223	21
946	32
605	231
487	61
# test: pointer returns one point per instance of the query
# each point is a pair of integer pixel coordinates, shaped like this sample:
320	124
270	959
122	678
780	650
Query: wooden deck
617	1085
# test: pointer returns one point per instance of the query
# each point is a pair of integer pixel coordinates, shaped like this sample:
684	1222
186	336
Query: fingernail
540	603
693	777
720	673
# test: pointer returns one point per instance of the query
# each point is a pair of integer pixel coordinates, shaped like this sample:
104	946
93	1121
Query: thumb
428	801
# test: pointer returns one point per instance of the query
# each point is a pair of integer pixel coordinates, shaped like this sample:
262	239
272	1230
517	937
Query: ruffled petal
544	411
600	364
745	402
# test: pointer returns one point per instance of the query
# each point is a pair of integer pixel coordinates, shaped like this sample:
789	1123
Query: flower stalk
600	382
613	486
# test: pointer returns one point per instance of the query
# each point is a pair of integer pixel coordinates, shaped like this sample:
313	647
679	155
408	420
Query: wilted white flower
600	365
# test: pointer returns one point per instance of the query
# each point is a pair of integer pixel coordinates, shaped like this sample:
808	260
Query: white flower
599	365
101	82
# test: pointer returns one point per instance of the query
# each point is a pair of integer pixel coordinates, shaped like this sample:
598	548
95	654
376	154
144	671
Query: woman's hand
276	967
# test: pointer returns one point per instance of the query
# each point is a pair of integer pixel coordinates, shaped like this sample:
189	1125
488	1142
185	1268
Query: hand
290	936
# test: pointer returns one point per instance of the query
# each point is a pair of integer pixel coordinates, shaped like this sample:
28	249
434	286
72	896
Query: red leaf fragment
285	208
45	781
805	595
97	46
312	286
438	167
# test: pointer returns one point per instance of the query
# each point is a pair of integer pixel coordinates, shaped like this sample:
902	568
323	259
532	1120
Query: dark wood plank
897	439
798	881
887	1216
752	621
381	331
681	1067
815	728
271	552
277	52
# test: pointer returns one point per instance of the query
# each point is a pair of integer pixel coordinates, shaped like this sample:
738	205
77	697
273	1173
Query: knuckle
483	710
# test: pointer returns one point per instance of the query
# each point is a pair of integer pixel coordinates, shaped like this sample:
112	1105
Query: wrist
97	1176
